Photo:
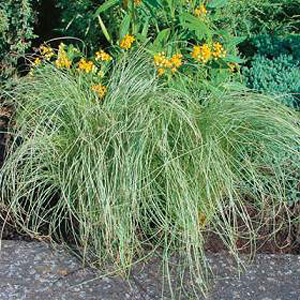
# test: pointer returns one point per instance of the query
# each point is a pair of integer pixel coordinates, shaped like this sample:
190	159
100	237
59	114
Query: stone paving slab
34	270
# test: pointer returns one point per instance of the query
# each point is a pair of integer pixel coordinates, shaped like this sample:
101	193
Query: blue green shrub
275	46
280	76
275	67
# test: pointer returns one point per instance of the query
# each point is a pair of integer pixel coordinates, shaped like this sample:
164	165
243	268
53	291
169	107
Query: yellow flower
103	56
62	58
160	59
85	65
100	90
37	62
176	60
218	51
202	53
162	62
127	41
47	52
196	52
168	64
206	52
160	71
137	2
200	11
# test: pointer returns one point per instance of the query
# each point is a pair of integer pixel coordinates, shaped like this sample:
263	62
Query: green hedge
256	16
17	18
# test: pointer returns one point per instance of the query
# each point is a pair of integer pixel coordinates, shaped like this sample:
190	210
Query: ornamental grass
146	169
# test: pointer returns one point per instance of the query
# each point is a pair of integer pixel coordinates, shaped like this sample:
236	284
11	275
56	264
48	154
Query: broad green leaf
234	41
161	39
145	28
124	28
104	30
105	6
142	38
193	23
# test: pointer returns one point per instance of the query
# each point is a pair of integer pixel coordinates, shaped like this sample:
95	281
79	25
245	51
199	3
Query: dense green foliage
254	17
77	20
275	68
16	32
273	45
277	76
242	18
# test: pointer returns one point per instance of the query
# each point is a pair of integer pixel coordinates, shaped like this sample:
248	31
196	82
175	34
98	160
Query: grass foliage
147	168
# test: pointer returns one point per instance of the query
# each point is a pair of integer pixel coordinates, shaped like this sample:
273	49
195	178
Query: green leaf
73	52
153	3
145	28
141	38
105	6
161	39
193	23
233	59
104	30
217	3
234	41
124	27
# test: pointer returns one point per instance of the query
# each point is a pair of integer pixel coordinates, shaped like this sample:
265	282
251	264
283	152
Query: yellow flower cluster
127	41
86	65
47	52
103	56
200	11
100	90
218	51
36	62
163	63
204	53
137	2
62	58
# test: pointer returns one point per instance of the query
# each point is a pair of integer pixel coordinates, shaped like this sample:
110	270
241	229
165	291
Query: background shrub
77	19
273	66
278	76
261	16
16	31
273	45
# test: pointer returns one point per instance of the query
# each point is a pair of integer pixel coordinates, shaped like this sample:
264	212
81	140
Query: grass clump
146	168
